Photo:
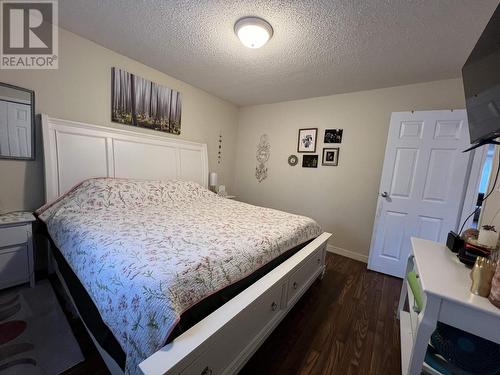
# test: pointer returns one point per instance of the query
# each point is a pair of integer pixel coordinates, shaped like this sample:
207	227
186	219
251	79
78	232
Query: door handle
385	194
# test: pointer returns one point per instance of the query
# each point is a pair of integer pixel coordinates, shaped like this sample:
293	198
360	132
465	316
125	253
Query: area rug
35	337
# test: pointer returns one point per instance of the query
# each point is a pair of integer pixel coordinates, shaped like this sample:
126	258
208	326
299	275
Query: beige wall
342	199
80	90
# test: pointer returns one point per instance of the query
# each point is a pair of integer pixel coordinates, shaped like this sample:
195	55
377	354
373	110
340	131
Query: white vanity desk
445	284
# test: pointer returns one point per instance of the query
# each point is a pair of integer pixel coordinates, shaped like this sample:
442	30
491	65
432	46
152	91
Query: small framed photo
310	161
333	135
307	140
331	156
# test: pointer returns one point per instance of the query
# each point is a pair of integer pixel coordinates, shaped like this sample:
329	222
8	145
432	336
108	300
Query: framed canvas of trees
138	102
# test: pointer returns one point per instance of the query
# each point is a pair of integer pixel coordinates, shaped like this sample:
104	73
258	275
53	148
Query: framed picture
307	140
333	135
310	161
138	102
331	156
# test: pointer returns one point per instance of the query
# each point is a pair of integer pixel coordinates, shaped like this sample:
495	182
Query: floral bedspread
146	251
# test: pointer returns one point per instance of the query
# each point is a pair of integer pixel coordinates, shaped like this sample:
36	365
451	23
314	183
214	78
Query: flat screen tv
481	77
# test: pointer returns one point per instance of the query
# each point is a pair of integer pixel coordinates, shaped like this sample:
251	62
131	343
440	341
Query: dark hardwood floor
344	324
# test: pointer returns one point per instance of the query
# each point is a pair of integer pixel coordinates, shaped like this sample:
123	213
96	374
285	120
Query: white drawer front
13	235
302	275
13	265
252	321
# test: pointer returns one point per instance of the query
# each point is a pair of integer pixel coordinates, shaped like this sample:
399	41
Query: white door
422	186
19	129
4	129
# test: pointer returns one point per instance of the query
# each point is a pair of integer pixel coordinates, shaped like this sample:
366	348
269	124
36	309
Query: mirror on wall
17	122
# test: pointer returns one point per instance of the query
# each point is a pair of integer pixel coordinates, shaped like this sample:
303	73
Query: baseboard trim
347	253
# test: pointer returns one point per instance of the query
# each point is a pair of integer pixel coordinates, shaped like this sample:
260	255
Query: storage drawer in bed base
228	350
224	341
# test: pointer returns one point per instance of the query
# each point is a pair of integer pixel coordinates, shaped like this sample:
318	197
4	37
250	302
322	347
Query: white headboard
74	151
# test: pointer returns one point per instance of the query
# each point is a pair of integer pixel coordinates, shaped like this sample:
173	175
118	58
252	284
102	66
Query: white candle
212	179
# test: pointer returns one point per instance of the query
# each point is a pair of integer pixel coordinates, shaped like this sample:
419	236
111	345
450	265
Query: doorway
423	185
484	182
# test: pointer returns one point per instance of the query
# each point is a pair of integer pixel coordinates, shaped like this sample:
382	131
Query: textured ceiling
318	48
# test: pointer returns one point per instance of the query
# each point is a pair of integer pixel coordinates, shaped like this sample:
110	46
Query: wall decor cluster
307	140
139	102
262	156
307	144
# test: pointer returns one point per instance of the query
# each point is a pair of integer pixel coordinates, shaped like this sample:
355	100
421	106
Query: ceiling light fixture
253	32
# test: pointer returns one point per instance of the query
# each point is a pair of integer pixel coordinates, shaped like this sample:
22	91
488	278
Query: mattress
146	252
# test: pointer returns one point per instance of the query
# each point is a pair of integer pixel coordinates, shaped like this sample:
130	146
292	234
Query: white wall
342	199
80	90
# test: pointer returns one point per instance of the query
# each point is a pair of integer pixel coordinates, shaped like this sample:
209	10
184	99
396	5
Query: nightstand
16	249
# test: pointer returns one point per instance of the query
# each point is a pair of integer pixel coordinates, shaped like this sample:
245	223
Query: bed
146	244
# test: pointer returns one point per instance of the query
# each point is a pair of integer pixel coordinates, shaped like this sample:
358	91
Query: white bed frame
224	341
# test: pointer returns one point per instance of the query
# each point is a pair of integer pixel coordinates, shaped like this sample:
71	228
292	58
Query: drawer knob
319	260
207	371
274	306
295	285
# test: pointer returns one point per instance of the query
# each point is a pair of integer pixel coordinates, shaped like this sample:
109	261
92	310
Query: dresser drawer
13	265
259	318
301	277
14	235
